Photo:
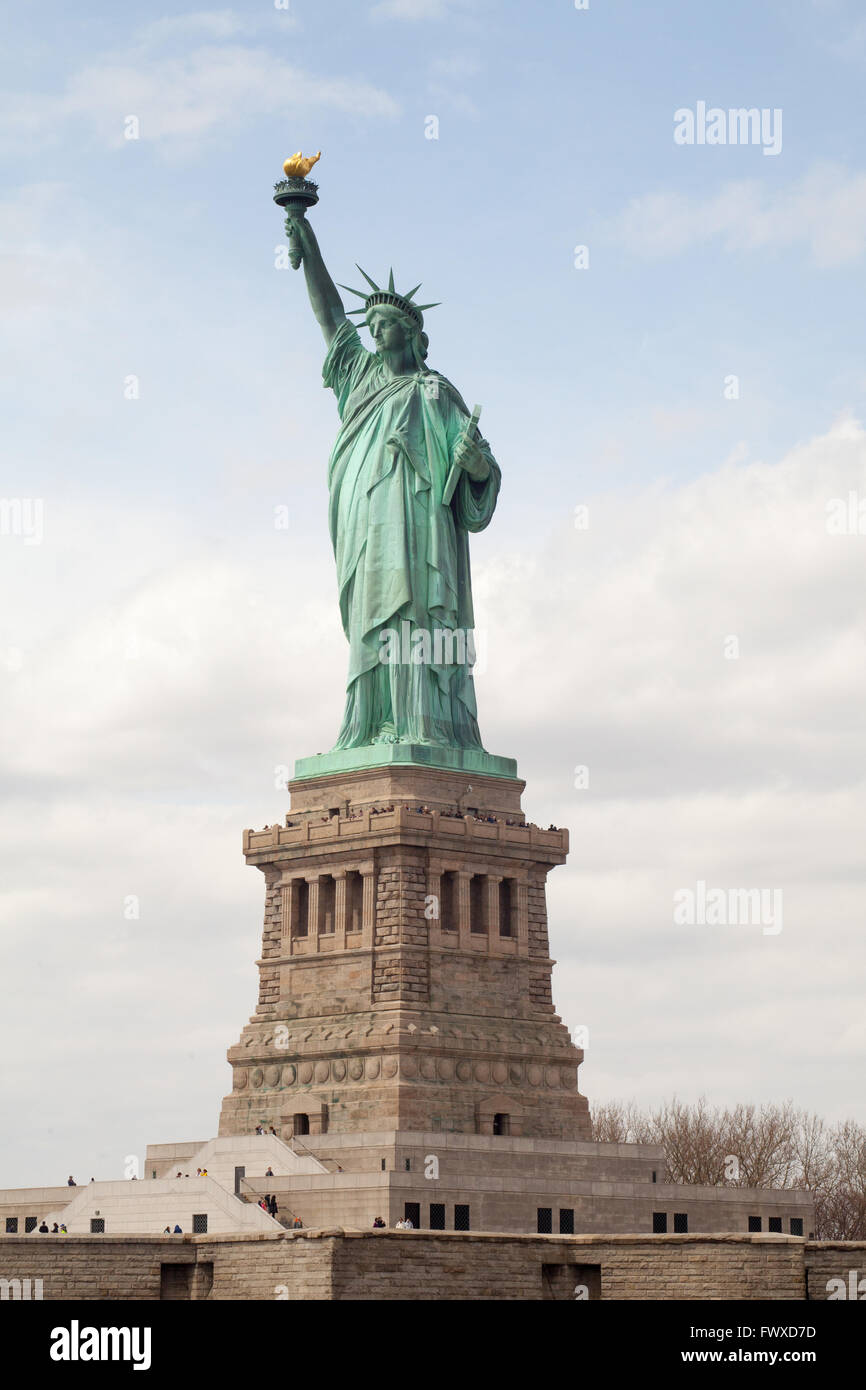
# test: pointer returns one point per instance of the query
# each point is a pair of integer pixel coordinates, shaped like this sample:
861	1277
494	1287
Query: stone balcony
459	832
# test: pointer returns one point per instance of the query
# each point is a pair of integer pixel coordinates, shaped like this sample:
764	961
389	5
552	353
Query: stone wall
88	1267
368	1265
453	1266
828	1260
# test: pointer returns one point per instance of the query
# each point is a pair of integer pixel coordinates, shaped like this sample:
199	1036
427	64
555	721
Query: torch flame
299	165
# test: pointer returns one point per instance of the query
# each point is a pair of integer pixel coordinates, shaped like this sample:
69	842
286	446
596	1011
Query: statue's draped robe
402	554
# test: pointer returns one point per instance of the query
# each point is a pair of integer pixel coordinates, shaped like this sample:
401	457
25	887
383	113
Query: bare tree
840	1203
771	1145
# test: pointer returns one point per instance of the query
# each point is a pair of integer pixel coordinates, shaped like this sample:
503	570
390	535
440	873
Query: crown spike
429	306
367	278
391	281
360	293
411	292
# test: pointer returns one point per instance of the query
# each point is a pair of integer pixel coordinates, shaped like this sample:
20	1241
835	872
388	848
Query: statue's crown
390	296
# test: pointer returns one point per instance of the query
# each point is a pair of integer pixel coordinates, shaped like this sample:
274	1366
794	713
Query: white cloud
415	10
215	87
825	211
215	24
622	626
411	9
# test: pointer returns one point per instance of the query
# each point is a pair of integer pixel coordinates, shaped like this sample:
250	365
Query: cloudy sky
671	595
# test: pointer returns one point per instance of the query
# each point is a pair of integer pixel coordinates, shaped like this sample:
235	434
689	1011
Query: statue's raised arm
324	297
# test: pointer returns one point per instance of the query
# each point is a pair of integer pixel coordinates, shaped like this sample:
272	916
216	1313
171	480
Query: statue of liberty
409	477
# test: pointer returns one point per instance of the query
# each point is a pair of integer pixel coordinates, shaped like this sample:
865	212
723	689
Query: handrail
247	1182
309	1152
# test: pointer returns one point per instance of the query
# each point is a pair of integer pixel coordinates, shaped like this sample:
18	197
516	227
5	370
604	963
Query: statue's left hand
469	456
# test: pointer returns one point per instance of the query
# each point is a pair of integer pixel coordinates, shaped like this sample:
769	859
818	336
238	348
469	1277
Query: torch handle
295	249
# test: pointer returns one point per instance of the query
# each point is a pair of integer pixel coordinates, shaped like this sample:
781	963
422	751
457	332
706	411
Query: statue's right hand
298	232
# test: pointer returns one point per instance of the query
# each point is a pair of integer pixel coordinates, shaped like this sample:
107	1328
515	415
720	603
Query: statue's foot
387	734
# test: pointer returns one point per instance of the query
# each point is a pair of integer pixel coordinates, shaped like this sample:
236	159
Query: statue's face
387	331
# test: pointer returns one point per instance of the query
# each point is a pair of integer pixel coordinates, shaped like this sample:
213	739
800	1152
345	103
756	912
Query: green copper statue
409	477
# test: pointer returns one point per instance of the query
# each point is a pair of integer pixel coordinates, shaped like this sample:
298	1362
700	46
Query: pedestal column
339	876
368	905
493	882
464	910
313	912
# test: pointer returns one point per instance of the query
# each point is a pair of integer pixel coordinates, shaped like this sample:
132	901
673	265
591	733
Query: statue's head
397	319
394	331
